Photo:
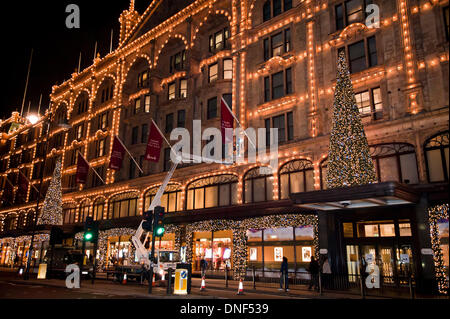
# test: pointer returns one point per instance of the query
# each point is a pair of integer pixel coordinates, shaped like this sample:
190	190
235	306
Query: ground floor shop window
119	250
267	247
213	247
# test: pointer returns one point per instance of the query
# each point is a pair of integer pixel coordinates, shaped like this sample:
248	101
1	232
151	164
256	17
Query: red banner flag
117	155
23	185
227	120
8	192
154	144
82	170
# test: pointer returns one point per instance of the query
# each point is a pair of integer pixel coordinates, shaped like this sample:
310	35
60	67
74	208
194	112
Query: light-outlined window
124	205
147	104
214	191
177	61
277	44
183	88
278	85
361	55
170	200
351	11
295	177
258	187
395	162
370	103
227	69
213	72
218	40
273	8
171	91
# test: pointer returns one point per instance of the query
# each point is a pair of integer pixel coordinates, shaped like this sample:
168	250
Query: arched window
21	220
123	205
395	162
84	212
258	187
436	157
10	222
295	177
99	206
170	200
30	219
212	191
69	214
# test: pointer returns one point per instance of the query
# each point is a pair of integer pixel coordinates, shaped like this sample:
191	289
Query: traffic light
90	230
56	235
148	221
158	222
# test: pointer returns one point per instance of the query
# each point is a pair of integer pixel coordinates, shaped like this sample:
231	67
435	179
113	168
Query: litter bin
188	267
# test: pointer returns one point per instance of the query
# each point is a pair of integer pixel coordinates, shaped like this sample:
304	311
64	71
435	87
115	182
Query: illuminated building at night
274	62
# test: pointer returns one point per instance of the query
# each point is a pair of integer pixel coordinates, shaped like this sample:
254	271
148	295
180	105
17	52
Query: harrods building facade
274	62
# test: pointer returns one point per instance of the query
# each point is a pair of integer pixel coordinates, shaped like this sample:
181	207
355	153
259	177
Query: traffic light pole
152	259
83	248
95	260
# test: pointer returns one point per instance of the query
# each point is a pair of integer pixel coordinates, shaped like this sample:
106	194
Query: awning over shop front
371	195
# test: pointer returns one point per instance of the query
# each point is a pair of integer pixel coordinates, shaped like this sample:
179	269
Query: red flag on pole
154	144
8	191
226	121
117	155
82	170
23	185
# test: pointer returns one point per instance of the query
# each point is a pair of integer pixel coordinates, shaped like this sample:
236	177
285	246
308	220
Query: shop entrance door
395	262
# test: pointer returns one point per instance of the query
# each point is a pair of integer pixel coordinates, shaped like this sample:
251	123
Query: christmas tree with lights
349	161
52	213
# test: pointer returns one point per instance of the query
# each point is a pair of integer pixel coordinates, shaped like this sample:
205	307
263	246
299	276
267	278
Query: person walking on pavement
203	266
314	271
326	271
284	275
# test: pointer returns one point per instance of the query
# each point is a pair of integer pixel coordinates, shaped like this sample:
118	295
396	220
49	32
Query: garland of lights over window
349	161
52	212
435	214
239	229
103	236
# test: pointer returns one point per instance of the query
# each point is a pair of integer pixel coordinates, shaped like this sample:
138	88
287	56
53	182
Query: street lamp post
41	180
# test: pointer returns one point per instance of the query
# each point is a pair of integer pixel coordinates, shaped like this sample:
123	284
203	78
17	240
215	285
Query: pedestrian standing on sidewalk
314	272
203	266
326	271
284	275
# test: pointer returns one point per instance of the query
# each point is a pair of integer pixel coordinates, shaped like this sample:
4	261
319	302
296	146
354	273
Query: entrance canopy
371	195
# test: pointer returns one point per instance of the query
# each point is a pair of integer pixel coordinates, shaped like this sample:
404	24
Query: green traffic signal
88	236
160	231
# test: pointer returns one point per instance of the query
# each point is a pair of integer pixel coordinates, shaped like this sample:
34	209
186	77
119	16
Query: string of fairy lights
435	215
114	63
349	160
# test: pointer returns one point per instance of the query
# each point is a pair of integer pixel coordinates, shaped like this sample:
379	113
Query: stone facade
411	72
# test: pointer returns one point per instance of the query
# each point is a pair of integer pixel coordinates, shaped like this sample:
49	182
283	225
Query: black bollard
150	280
169	281
254	277
226	276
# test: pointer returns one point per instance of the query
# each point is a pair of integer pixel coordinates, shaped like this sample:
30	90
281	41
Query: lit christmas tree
51	213
349	161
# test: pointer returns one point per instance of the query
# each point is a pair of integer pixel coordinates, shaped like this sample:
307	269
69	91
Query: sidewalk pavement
215	289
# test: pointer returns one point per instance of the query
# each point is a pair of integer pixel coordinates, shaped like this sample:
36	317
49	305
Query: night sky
41	25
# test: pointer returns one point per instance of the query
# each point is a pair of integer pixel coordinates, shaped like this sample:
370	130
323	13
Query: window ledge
278	104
